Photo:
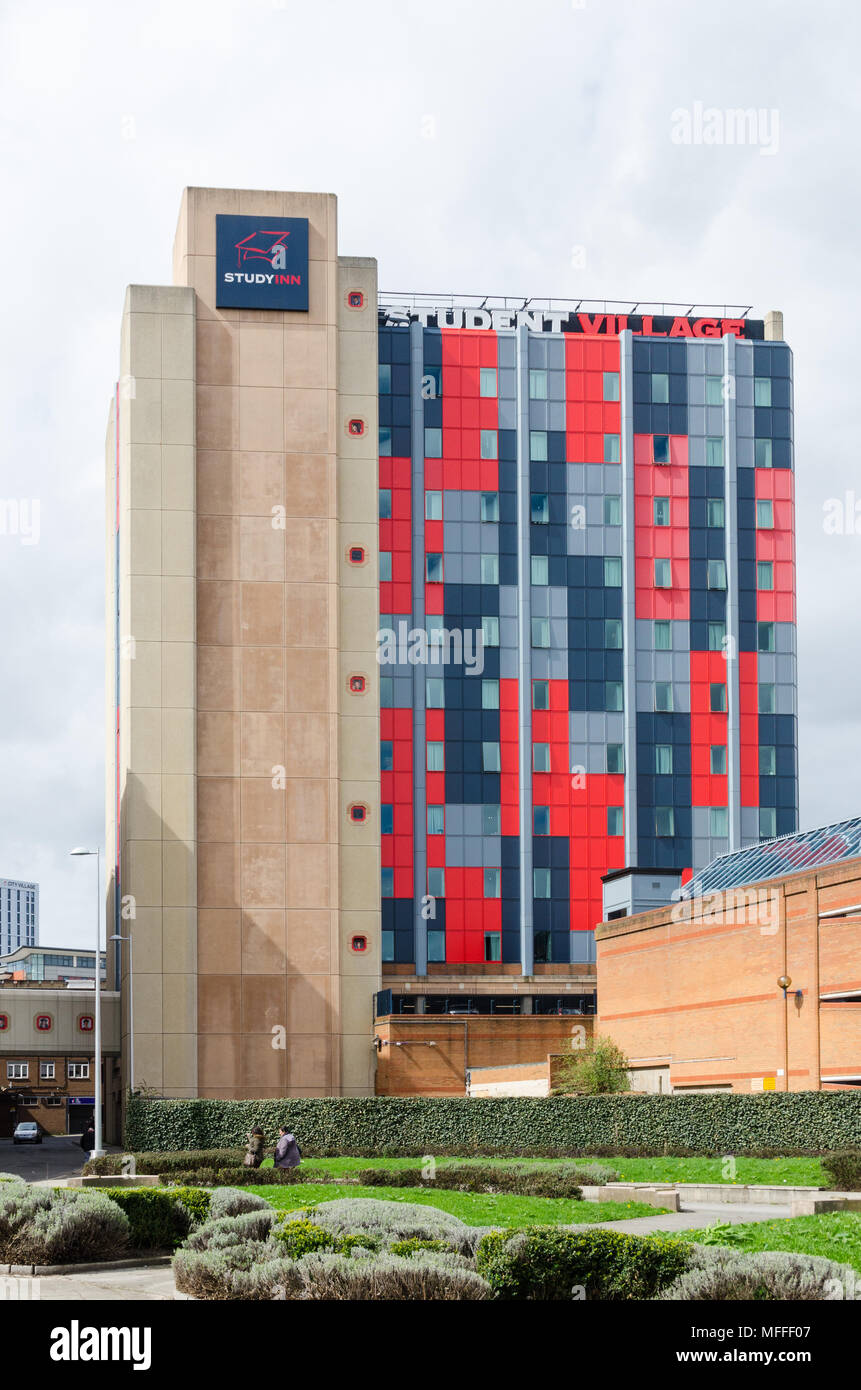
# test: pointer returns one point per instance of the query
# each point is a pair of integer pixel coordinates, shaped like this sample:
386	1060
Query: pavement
57	1157
693	1217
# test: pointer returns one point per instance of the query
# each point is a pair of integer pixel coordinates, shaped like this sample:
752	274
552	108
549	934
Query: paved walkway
694	1216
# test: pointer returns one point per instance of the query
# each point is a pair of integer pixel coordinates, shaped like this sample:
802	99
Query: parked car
27	1132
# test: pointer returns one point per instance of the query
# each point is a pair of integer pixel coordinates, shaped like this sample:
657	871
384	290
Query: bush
159	1218
731	1275
412	1247
534	1182
230	1201
599	1069
844	1170
389	1221
546	1262
10	1177
303	1237
791	1122
425	1276
248	1269
157	1162
225	1231
43	1225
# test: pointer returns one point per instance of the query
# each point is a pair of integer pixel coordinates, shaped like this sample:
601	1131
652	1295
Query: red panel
465	412
396	850
777	545
588	416
748	728
652	542
593	852
707	728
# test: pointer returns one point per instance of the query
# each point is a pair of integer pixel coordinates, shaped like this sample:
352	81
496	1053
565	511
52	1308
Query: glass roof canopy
789	854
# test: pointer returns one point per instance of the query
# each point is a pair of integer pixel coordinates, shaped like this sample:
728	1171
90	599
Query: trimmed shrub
732	1275
43	1225
426	1276
390	1221
406	1248
230	1201
844	1170
157	1162
546	1262
303	1237
225	1231
770	1123
249	1269
10	1177
159	1218
534	1182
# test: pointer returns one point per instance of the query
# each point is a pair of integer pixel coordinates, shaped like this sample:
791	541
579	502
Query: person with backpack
287	1151
254	1150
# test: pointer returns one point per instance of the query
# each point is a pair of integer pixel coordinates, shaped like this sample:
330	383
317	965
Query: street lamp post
117	937
97	1011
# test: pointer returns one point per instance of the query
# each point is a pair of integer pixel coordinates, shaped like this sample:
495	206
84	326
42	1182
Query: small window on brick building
355	299
358	813
4	1022
357	685
359	943
356	555
44	1023
85	1023
355	426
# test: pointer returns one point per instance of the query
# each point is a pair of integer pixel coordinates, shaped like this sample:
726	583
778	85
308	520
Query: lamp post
97	1011
117	937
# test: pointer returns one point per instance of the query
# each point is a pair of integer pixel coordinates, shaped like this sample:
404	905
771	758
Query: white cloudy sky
473	144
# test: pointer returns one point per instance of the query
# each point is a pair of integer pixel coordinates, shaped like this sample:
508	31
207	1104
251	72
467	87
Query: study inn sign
261	262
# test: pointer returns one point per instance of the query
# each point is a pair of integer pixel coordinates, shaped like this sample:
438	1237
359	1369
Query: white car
27	1132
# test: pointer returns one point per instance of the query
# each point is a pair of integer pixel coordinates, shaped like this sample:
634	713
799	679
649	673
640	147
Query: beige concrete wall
157	758
284	882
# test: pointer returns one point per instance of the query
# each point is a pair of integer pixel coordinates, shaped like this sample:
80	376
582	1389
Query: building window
436	820
660	388
387	945
663	759
763	453
86	1023
433	568
78	1071
490	820
356	426
541	820
387	755
487	381
615	757
717	634
436	945
762	390
714	390
714	511
764	514
765	637
489	444
718	761
490	631
492	945
613	634
541	757
490	569
540	694
436	757
385	566
490	694
613	695
664	697
661	448
384	379
767	702
436	882
356	555
433	506
612	571
543	947
4	1022
611	386
538	446
767	760
432	383
540	569
661	511
433	443
663	574
612	511
387	818
719	822
663	636
764	574
716	574
47	1071
541	883
537	386
492	883
385	503
359	944
541	632
665	822
612	448
357	812
767	822
435	692
387	882
387	692
17	1071
490	506
44	1023
717	697
714	453
539	509
490	756
615	820
384	446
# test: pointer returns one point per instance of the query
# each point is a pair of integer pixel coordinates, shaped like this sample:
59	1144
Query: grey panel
507	601
507	413
556	351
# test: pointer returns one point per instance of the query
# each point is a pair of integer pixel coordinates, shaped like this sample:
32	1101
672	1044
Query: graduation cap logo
263	246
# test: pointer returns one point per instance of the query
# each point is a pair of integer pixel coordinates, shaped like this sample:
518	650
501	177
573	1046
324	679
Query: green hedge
159	1218
799	1123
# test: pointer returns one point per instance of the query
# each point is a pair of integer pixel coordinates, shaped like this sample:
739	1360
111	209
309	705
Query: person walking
254	1149
88	1140
287	1151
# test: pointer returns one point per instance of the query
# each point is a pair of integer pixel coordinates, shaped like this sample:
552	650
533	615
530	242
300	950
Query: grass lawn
804	1172
836	1235
475	1208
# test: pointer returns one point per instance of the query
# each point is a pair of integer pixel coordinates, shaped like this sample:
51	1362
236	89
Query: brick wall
461	1043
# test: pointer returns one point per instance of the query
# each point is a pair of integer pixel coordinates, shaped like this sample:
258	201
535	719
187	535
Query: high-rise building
424	617
19	914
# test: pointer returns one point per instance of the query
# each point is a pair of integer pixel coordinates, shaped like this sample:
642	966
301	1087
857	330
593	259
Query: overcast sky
474	145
